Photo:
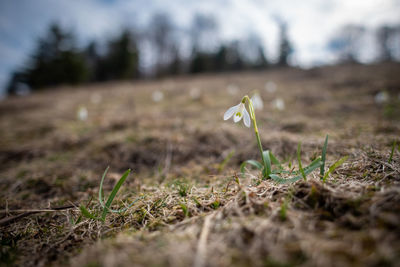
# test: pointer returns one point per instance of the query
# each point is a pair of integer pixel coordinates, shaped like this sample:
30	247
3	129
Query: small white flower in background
381	97
82	114
157	96
195	93
270	87
257	102
238	112
278	104
233	89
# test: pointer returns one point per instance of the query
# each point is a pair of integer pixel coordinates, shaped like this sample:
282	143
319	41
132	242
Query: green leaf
86	213
101	187
307	170
334	166
113	194
299	160
251	162
322	170
274	160
221	166
267	163
391	154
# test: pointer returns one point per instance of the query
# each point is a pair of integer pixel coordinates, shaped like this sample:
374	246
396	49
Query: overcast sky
311	22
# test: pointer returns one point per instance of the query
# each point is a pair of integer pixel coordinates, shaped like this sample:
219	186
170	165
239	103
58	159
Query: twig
25	213
202	246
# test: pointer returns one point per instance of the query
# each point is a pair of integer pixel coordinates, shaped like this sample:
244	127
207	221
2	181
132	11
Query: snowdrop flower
157	96
238	112
270	87
82	114
278	104
381	97
257	101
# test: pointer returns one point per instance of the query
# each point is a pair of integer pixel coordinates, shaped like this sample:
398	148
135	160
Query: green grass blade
221	166
299	160
101	187
322	170
391	153
113	194
251	162
267	164
334	166
275	161
86	213
124	209
307	170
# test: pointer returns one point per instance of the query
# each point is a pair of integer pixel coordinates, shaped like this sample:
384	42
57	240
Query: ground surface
194	208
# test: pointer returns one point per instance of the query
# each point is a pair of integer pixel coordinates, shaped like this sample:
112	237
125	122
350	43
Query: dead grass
193	212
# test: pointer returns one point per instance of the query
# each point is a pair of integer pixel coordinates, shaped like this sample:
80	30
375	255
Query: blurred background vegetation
57	59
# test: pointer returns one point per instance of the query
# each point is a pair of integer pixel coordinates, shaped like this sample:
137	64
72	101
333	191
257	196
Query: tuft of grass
323	157
222	165
299	161
334	166
184	209
392	152
106	206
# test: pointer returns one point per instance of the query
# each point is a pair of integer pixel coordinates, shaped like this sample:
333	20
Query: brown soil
193	209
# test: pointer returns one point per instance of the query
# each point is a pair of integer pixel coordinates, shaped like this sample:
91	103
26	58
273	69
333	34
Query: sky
310	22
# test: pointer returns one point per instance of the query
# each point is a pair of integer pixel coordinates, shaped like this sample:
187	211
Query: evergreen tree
285	47
56	61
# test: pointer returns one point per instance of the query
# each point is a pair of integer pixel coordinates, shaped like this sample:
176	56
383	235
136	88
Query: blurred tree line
350	39
162	49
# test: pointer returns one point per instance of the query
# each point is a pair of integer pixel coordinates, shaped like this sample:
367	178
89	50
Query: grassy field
193	205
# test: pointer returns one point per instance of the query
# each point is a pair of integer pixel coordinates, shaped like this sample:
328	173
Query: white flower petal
246	118
230	112
238	116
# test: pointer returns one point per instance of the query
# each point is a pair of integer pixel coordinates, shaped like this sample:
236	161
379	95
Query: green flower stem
253	118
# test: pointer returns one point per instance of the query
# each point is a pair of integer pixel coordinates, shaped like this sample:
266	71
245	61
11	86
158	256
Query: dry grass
192	211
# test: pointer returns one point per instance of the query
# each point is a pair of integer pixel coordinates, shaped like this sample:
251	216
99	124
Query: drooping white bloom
278	104
238	112
257	102
157	96
381	97
82	114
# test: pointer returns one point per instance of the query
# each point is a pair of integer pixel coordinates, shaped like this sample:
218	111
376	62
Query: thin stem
253	118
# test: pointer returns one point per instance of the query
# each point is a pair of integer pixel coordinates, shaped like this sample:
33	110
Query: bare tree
161	31
384	36
347	42
285	47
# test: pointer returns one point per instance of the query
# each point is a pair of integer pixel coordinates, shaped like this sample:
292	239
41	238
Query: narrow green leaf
334	166
251	162
101	187
299	160
184	209
391	154
114	193
221	166
86	213
274	160
267	163
307	170
322	170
